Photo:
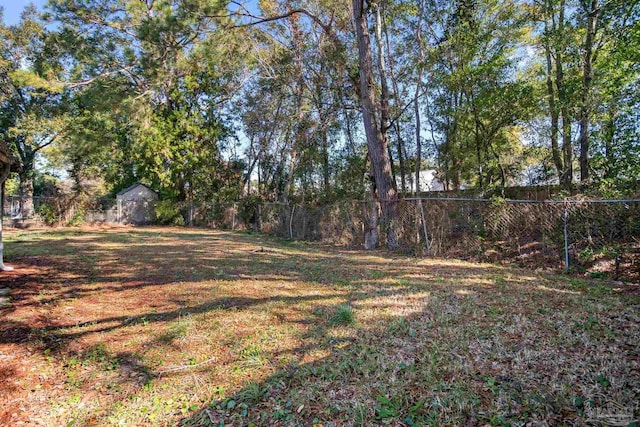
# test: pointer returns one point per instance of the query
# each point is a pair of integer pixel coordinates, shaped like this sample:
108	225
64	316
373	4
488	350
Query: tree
477	102
173	66
616	145
32	99
376	135
7	165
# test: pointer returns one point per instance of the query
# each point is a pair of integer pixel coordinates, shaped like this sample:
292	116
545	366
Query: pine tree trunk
416	103
587	77
376	142
416	109
566	179
325	162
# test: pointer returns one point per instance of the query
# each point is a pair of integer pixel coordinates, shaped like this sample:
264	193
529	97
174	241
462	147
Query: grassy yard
168	326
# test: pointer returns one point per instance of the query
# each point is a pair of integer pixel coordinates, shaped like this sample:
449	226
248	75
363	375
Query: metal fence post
259	218
293	209
424	228
233	218
565	219
212	215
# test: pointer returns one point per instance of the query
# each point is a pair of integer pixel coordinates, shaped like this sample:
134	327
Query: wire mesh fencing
601	237
67	209
597	237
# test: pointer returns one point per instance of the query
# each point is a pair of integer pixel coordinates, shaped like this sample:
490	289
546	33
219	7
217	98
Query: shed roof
131	187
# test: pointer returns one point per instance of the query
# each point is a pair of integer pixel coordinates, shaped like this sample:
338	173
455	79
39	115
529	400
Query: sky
13	8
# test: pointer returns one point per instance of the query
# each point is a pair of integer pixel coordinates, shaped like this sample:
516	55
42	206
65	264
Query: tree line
312	101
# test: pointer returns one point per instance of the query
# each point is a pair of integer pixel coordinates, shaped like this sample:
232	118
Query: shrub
168	213
248	211
48	213
77	218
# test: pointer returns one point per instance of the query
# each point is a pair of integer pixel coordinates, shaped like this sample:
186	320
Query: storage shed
136	204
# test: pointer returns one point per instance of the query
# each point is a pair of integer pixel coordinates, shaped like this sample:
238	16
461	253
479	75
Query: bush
48	213
168	213
77	218
248	211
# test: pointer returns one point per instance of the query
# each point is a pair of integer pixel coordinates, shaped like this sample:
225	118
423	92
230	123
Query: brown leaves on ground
158	326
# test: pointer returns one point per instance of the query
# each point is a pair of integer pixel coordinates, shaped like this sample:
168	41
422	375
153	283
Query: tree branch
46	144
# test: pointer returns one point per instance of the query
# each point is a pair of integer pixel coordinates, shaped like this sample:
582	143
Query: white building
428	181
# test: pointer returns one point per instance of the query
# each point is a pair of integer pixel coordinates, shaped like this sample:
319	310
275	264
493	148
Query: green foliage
343	315
389	409
33	108
386	408
479	106
159	92
11	185
77	218
497	202
48	213
249	209
153	115
168	213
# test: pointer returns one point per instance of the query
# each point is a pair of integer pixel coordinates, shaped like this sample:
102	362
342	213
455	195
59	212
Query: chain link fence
60	210
595	237
601	237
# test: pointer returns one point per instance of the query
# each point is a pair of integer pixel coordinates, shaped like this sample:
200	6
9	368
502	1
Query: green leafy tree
32	97
168	68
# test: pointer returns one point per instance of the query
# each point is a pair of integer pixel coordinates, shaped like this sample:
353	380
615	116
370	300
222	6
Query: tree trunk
394	177
325	162
384	93
399	141
587	77
566	180
478	144
609	135
416	108
288	191
299	91
371	236
567	149
4	174
553	111
416	103
25	190
376	142
401	164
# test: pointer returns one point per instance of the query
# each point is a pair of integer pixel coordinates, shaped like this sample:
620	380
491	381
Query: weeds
343	316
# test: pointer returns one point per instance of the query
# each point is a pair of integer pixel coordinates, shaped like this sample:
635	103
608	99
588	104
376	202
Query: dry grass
160	326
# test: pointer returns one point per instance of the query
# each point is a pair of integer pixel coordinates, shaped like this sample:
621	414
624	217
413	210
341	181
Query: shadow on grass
449	363
67	263
430	344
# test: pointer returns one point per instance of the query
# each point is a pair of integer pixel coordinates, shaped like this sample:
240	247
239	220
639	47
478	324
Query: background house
135	204
428	181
